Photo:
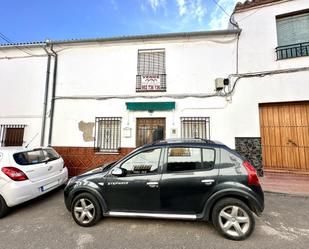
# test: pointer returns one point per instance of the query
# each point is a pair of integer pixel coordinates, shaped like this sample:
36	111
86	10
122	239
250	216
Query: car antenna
32	140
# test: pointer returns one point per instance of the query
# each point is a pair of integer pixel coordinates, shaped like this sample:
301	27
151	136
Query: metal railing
292	51
195	127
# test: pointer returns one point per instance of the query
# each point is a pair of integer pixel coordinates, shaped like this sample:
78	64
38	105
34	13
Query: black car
185	179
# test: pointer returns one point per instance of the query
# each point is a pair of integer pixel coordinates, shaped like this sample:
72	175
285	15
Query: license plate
49	186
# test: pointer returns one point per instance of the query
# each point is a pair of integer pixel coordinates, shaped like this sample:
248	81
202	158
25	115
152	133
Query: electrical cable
11	43
263	74
5	38
215	1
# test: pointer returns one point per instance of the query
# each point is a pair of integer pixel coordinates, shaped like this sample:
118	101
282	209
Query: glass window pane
182	159
143	163
29	157
50	154
208	158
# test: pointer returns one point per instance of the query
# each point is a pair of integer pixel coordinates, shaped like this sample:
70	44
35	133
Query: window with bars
293	34
151	75
195	127
12	135
108	134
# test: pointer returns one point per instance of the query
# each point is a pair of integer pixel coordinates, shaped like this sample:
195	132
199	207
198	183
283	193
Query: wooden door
285	136
149	130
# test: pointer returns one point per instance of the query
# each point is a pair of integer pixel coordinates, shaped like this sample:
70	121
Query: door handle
152	184
208	181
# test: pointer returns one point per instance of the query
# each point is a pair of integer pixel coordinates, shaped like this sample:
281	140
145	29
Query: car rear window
229	159
29	157
50	154
35	156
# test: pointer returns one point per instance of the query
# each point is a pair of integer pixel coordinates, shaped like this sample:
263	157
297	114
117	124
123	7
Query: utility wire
10	42
216	2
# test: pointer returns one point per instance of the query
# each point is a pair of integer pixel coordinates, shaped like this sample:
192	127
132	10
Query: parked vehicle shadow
36	202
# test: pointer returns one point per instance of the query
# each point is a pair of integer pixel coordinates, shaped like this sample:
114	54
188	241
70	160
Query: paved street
45	223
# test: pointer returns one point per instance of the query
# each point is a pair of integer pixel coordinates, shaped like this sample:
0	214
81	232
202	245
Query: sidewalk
285	183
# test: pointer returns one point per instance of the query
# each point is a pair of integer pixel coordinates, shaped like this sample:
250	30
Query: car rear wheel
86	210
233	219
3	207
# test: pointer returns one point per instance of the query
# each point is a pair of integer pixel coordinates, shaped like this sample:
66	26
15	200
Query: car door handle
153	184
208	181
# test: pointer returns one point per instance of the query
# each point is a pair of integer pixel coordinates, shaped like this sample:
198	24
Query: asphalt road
45	223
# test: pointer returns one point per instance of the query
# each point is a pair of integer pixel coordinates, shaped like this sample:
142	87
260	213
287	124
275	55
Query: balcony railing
292	51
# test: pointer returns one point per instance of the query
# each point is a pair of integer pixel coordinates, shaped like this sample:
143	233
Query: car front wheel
86	210
233	219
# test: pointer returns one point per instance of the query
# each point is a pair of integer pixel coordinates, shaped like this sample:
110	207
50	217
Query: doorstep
287	183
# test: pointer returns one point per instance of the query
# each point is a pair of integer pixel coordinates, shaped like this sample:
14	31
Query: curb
302	195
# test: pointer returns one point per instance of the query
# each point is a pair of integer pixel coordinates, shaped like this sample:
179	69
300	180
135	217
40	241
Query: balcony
292	51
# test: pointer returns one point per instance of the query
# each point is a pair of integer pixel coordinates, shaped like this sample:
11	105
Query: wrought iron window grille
195	127
107	134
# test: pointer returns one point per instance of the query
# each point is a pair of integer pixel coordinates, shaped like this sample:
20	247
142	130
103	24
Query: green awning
150	106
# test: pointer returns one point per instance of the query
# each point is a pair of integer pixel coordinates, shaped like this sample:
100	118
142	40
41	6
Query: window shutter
293	29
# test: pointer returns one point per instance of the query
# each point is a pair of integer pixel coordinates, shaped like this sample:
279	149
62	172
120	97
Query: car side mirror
118	172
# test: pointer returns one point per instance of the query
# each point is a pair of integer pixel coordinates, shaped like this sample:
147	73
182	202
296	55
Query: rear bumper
15	193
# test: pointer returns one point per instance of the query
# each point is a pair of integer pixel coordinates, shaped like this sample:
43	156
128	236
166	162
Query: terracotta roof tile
253	3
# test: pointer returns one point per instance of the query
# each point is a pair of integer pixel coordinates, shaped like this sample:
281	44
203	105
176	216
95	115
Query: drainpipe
52	107
45	98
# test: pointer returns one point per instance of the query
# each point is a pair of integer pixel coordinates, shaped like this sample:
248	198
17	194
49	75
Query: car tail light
14	173
252	176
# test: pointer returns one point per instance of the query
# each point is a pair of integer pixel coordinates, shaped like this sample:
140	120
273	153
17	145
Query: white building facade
95	100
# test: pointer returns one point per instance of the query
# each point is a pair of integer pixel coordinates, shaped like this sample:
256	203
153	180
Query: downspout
45	98
52	107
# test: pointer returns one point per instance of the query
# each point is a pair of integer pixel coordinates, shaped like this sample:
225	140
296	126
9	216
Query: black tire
86	203
233	219
3	207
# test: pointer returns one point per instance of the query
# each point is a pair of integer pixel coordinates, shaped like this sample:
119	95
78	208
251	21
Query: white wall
111	68
258	39
22	85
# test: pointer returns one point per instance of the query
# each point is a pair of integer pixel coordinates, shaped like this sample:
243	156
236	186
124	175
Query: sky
39	20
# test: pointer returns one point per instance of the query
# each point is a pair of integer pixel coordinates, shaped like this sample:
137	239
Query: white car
28	173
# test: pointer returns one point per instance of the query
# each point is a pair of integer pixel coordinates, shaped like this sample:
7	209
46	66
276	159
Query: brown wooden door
285	136
149	130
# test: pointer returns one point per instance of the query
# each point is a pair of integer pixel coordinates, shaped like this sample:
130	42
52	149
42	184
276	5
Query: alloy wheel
234	221
84	211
